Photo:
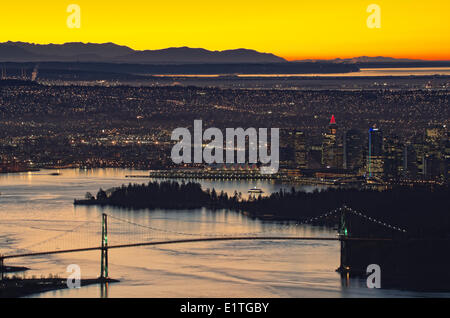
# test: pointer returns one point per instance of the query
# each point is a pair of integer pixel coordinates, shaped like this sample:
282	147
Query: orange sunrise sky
291	29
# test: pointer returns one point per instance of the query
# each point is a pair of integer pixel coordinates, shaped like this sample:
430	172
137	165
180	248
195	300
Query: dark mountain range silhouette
113	53
190	55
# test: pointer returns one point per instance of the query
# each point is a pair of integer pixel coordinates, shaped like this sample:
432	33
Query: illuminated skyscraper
375	158
301	150
353	150
394	158
447	155
333	125
287	154
410	163
420	150
434	156
332	150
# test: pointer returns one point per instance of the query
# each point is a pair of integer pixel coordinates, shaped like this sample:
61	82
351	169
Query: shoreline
13	269
14	288
20	171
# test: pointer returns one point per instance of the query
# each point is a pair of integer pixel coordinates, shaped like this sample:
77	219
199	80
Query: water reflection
104	290
36	206
401	71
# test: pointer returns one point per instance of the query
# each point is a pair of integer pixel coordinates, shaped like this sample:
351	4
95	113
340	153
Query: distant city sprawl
385	134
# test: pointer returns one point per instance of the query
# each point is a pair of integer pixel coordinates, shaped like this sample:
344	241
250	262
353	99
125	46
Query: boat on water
255	190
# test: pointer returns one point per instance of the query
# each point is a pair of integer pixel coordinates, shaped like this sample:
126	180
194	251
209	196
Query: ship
255	190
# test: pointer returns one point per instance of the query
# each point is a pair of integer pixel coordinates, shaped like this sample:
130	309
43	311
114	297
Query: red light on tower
333	126
333	120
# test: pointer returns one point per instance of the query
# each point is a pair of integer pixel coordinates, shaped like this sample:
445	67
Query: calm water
36	206
401	71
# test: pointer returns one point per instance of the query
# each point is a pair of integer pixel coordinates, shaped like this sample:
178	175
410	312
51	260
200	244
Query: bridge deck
210	239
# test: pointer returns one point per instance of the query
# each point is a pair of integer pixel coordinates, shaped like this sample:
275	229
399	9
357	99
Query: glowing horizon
294	30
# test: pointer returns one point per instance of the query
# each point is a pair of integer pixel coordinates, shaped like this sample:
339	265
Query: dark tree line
422	211
166	195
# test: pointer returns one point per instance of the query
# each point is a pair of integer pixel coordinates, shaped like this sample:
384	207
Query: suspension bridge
117	233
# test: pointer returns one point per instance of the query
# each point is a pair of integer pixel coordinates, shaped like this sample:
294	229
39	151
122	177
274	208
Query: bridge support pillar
2	266
104	252
343	267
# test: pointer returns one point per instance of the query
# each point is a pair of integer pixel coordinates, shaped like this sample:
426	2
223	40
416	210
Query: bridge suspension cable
271	230
373	220
73	237
319	217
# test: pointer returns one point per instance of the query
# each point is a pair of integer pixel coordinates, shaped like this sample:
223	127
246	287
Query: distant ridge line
110	52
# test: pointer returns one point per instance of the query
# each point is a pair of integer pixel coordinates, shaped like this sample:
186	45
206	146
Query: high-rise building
294	147
447	155
375	157
435	138
420	150
434	166
394	158
287	154
339	154
353	150
332	149
301	150
435	161
435	135
410	160
332	126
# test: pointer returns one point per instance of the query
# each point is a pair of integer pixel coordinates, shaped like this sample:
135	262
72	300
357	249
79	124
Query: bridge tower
343	225
104	251
343	235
